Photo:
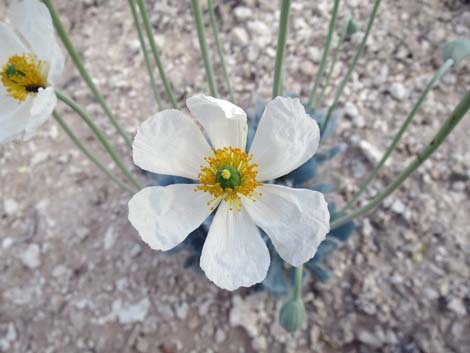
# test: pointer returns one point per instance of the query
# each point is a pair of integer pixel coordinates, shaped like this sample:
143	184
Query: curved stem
281	46
442	70
101	137
156	55
201	33
88	153
358	54
326	49
298	282
83	72
455	117
220	49
344	32
143	45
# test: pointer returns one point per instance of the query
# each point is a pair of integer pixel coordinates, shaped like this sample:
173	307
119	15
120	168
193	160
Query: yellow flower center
23	75
228	174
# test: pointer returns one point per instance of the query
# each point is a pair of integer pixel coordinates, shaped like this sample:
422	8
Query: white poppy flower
234	253
30	64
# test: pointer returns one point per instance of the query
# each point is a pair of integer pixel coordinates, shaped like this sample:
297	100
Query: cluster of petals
28	38
234	253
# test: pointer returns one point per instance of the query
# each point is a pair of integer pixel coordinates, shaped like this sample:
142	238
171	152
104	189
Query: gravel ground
76	277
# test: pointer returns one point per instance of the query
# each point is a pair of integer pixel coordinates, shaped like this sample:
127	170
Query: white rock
457	306
369	339
10	206
109	238
128	313
240	36
398	91
398	207
7	243
242	13
10	337
372	153
31	257
220	336
351	110
182	311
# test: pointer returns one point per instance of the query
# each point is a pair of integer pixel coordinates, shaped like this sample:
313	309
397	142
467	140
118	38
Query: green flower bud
352	27
292	315
457	50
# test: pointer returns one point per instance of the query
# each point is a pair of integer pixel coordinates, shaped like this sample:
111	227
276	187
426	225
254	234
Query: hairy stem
442	70
201	33
336	52
455	117
89	154
358	54
155	52
143	45
220	49
281	46
326	49
101	137
83	71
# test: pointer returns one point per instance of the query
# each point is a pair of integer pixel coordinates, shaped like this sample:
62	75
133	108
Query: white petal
41	110
234	253
13	123
9	44
8	104
224	122
32	19
171	143
296	220
164	216
286	138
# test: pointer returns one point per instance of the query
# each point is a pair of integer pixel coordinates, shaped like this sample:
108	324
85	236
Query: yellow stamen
226	174
219	164
23	75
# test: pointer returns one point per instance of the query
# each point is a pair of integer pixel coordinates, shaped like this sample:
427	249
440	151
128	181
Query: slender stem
89	154
358	54
201	33
455	117
444	67
326	49
220	49
83	71
101	137
281	46
298	282
143	45
156	55
344	32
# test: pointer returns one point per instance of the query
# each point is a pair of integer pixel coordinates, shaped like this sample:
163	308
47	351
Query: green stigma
228	177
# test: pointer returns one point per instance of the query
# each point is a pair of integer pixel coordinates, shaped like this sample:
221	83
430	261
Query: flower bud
292	315
457	50
352	27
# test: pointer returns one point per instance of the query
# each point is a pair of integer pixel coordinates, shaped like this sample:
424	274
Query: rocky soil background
76	278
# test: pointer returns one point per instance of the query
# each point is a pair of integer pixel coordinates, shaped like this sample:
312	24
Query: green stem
455	117
298	282
83	72
344	32
143	45
442	70
326	49
281	46
358	54
101	137
156	55
89	154
201	33
220	49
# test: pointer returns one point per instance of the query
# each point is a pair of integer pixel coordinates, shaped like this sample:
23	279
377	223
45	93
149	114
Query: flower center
23	75
228	174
